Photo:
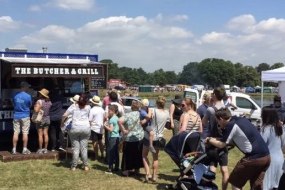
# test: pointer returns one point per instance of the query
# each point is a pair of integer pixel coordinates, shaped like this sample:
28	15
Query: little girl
113	139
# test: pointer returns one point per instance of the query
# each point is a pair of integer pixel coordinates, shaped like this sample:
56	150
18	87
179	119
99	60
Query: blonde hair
206	97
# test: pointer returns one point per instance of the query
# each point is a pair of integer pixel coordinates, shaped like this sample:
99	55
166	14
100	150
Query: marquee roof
274	75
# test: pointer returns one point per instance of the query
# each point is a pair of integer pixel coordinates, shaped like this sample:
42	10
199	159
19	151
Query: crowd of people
138	133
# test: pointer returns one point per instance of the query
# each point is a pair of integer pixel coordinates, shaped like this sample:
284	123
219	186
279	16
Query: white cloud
7	24
132	42
242	23
153	43
73	4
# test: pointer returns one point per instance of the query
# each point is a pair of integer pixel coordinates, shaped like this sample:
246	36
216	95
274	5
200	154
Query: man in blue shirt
240	132
22	103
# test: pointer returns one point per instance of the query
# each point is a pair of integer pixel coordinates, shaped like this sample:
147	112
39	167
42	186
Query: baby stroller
186	150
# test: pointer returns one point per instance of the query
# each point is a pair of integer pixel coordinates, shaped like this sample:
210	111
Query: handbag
167	125
161	142
37	117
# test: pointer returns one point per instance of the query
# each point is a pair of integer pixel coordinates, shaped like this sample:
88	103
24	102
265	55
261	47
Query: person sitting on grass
146	123
113	139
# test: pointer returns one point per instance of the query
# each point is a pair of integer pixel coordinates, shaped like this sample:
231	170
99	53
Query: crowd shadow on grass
166	177
63	163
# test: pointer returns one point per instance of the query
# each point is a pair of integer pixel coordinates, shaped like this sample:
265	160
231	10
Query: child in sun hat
146	123
96	118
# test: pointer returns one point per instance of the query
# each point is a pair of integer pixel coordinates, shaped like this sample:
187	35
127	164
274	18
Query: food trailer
69	73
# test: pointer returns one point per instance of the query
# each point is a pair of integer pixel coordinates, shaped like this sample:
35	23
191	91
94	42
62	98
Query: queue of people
140	130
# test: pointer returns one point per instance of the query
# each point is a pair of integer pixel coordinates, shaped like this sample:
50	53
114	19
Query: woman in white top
272	133
80	131
96	118
159	117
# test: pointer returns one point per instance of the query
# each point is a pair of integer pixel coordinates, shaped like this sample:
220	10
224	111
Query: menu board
97	83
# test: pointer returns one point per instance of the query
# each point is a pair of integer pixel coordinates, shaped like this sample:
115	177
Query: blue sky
149	34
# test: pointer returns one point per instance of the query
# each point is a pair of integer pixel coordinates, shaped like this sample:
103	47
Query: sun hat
75	98
95	100
24	84
145	102
177	99
44	92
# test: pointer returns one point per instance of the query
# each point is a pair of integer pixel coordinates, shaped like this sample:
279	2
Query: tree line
210	71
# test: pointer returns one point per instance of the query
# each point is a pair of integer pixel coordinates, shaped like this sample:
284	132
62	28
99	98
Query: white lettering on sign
6	114
55	71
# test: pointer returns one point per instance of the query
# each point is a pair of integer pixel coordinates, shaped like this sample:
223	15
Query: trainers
13	151
61	149
109	171
44	151
152	149
26	151
40	151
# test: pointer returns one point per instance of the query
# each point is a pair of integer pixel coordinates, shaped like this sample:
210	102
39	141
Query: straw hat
75	98
95	100
44	92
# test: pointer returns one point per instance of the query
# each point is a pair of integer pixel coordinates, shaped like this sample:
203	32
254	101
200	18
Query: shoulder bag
37	117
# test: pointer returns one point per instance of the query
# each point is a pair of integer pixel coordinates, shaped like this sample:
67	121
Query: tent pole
261	101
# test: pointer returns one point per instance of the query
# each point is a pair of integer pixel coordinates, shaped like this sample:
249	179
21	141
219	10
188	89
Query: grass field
54	174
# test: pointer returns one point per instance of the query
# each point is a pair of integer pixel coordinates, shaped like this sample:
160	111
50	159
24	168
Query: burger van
246	106
70	74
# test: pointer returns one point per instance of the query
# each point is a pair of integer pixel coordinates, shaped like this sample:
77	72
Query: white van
246	106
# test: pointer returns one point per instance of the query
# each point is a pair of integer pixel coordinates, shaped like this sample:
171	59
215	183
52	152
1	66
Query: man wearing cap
96	118
22	103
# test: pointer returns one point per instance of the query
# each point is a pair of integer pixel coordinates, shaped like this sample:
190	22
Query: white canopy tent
275	75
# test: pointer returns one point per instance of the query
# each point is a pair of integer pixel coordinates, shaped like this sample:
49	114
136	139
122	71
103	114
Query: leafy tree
276	65
190	74
262	67
215	72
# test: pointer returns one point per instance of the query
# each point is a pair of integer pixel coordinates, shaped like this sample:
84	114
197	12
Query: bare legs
43	137
146	163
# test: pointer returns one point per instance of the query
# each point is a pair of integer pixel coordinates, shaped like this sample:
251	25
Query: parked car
127	102
249	89
246	106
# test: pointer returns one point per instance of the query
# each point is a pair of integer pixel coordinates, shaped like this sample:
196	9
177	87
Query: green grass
54	174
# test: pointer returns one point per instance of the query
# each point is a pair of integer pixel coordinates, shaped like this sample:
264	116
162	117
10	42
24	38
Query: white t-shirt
96	118
80	117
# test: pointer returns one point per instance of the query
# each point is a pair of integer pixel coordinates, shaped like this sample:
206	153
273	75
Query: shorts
221	160
44	124
154	143
96	136
250	169
148	128
23	123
